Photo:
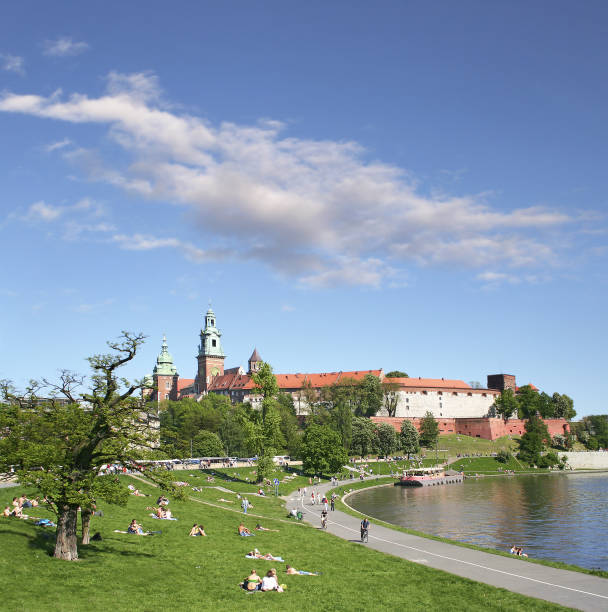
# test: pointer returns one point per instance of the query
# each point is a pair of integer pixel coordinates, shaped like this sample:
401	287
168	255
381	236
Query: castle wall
444	404
487	428
593	460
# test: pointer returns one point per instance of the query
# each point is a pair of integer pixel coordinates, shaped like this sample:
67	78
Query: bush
548	460
503	456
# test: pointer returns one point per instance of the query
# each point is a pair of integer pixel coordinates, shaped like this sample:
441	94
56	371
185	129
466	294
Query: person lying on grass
292	570
256	554
260	528
138	493
163	513
243	531
197	530
226	501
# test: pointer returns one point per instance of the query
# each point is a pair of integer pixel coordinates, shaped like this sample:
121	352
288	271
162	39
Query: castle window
212	322
213	342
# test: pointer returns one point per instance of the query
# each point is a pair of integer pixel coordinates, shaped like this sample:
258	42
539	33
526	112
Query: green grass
340	505
489	465
175	572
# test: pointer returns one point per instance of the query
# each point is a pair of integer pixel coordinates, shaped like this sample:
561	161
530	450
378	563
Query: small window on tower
213	342
212	322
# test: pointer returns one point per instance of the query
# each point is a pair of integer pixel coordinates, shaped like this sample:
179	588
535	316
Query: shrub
503	456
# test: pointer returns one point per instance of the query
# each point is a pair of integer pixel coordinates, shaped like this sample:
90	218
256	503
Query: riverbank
356	487
574	589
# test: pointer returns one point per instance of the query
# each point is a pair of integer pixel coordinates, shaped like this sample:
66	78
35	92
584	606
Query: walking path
572	589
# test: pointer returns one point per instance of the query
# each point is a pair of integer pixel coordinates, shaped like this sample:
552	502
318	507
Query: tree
506	405
322	450
370	396
386	439
364	440
563	407
390	398
266	385
231	431
207	444
429	430
396	374
409	438
59	447
341	420
531	444
527	401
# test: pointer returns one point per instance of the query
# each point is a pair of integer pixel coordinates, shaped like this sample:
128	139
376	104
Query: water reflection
561	517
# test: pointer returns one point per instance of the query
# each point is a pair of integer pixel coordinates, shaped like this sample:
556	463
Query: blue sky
354	185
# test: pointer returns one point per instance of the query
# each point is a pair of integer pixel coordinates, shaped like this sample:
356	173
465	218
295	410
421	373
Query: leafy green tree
532	442
207	444
266	385
341	420
546	407
364	440
409	438
386	439
371	396
563	407
396	374
322	450
527	402
429	430
231	430
506	404
59	448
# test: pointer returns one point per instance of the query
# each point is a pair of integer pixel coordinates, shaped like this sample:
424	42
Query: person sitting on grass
7	512
295	572
243	531
136	528
197	530
260	528
270	583
252	582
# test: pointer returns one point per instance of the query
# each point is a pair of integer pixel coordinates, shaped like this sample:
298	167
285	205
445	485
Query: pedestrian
312	498
245	505
333	503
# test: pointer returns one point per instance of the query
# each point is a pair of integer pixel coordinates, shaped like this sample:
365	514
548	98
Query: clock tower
210	354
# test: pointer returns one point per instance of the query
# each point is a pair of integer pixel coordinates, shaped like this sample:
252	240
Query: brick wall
487	428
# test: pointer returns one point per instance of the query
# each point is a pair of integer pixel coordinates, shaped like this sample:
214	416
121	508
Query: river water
560	517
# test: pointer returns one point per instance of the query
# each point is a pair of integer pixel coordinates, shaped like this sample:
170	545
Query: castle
457	406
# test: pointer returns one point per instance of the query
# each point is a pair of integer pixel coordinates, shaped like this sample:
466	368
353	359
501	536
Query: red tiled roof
184	382
428	383
288	381
533	387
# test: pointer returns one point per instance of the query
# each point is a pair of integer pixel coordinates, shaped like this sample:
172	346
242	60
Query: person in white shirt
269	582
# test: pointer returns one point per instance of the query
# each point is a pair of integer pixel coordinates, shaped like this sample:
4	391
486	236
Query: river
560	517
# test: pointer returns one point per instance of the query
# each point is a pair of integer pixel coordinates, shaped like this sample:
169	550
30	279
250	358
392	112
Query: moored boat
428	477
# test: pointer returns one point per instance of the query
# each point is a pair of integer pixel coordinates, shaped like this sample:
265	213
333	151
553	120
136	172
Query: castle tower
210	354
165	375
255	361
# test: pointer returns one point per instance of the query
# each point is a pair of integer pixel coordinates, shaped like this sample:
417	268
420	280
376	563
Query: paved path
573	589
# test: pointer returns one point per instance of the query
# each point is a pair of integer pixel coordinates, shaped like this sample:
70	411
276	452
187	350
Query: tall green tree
371	396
386	439
429	430
322	450
506	405
409	438
59	448
563	407
527	402
396	374
532	443
390	398
364	440
341	420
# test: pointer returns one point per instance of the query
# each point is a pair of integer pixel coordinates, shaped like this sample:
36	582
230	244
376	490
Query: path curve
572	589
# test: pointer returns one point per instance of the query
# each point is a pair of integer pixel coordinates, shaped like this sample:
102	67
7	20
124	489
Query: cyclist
364	528
324	519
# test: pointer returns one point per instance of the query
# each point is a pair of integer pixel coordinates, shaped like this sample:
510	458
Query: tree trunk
66	545
85	517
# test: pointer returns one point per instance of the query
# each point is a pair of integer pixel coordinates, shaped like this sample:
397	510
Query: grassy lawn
173	571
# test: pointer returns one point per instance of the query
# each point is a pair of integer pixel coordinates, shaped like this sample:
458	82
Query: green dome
164	362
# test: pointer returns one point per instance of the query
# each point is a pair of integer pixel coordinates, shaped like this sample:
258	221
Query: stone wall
592	460
450	404
487	428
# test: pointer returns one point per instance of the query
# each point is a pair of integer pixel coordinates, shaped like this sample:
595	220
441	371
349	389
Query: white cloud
41	211
141	242
64	46
12	63
60	144
315	210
